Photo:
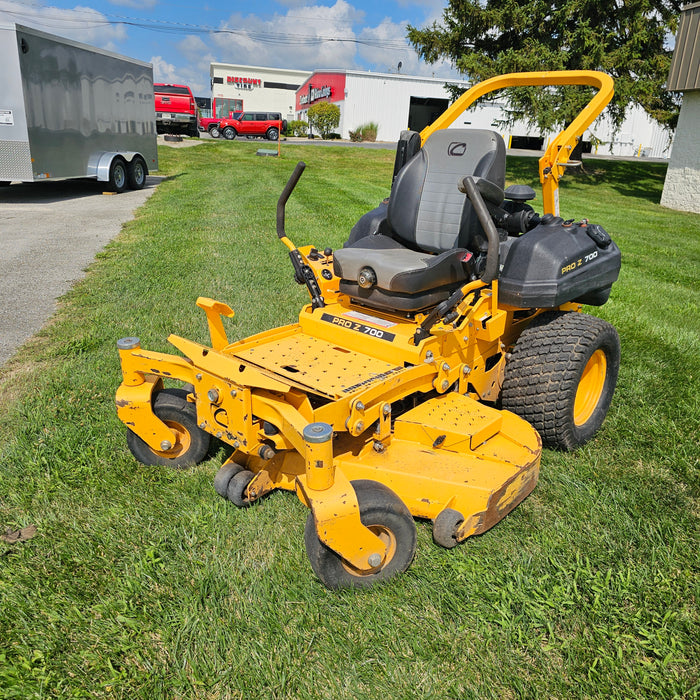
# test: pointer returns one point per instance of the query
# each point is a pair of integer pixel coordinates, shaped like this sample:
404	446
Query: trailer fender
100	163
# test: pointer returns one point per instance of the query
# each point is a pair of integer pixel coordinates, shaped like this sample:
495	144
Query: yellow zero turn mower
378	406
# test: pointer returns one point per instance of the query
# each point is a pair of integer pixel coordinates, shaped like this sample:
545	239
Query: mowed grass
142	583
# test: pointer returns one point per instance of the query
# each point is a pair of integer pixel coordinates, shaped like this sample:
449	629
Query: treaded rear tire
544	373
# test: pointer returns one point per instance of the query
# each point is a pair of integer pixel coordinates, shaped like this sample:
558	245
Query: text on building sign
315	94
245	83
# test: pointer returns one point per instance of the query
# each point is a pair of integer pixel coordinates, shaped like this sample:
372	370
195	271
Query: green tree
324	117
628	39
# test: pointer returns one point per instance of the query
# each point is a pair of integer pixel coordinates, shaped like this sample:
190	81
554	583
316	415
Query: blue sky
176	36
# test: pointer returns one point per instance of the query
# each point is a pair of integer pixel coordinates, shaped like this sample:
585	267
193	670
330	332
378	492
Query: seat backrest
426	210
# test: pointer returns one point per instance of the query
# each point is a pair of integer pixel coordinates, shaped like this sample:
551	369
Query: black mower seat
431	227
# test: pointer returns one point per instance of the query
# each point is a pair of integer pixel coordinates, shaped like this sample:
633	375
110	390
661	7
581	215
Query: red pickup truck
176	110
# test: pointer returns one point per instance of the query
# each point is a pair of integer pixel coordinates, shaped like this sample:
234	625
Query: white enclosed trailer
68	110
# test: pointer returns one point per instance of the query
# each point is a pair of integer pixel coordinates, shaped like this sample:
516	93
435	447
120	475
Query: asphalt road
50	233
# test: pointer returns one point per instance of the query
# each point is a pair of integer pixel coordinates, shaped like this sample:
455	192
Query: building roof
394	76
685	66
214	65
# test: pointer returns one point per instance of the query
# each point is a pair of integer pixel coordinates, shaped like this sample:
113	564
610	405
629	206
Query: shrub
324	117
297	127
366	132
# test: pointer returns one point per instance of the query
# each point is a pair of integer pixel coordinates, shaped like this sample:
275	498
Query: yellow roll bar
557	153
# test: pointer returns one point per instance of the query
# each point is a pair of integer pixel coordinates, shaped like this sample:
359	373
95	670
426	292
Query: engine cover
556	263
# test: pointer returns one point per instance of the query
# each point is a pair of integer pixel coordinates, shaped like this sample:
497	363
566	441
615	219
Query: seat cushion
406	279
399	269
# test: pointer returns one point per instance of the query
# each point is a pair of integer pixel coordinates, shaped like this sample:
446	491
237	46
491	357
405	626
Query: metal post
318	440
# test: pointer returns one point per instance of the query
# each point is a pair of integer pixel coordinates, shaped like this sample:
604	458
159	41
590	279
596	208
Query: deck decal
371	380
359	327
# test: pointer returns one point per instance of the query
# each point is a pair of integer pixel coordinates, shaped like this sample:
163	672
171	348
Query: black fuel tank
556	263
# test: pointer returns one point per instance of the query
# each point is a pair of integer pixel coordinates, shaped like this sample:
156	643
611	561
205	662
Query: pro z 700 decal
577	263
359	327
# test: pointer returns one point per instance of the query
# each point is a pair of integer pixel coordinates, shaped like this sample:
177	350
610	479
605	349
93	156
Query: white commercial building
235	88
395	102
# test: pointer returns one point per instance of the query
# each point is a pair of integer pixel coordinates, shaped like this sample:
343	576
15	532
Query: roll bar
557	154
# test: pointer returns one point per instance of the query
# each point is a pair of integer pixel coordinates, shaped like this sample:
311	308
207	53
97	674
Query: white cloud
80	24
194	75
164	72
305	38
313	37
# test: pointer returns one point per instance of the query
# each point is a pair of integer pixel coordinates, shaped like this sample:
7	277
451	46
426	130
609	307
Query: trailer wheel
191	444
117	175
561	376
229	133
386	515
136	173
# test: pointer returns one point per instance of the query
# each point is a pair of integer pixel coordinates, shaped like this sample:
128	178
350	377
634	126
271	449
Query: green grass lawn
142	583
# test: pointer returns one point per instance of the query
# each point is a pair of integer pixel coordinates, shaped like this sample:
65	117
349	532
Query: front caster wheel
237	487
223	478
386	515
445	528
191	442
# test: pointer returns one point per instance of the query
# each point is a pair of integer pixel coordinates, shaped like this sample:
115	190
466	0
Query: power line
171	27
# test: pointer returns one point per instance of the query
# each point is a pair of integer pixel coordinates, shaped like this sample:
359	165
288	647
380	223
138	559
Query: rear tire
272	134
192	443
561	376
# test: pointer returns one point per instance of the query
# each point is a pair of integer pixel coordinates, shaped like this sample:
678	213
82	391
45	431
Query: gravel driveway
50	232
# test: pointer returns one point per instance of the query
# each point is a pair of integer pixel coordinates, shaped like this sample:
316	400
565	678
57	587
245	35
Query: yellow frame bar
557	153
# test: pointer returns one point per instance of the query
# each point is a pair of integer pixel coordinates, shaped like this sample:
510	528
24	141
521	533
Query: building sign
315	94
328	86
243	83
